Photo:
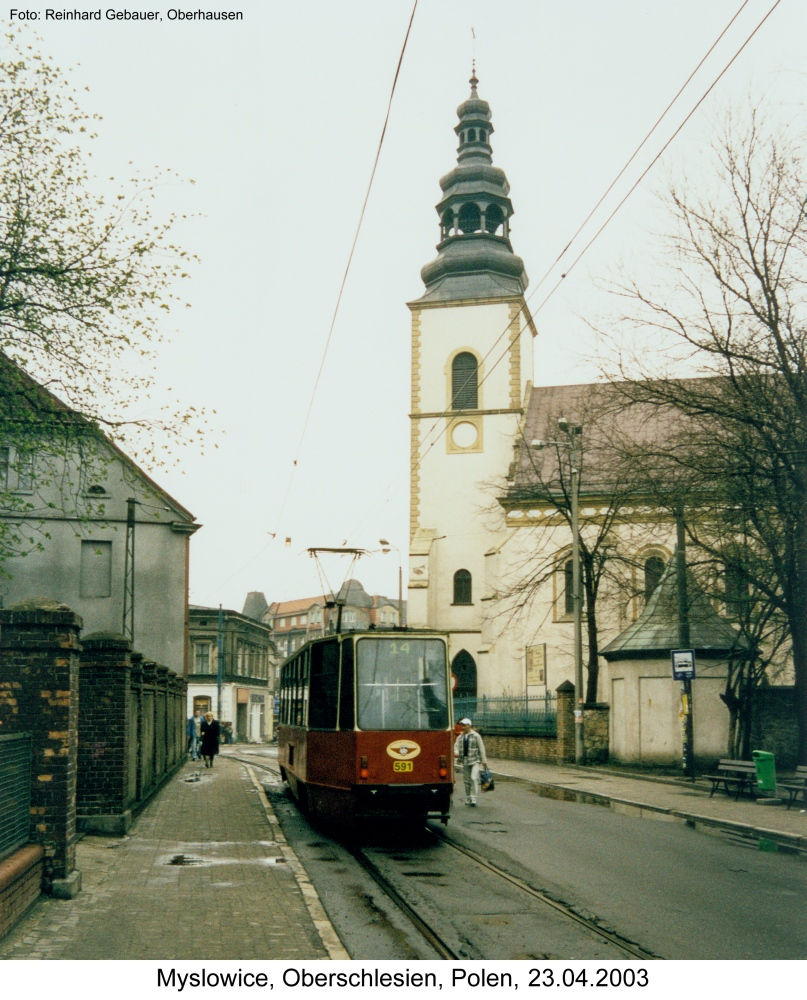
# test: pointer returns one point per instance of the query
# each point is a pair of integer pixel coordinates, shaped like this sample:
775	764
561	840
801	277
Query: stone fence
107	730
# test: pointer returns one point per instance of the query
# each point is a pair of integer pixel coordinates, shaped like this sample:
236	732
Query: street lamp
387	546
573	441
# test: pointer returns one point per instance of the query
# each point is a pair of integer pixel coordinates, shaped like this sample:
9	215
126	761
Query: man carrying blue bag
469	752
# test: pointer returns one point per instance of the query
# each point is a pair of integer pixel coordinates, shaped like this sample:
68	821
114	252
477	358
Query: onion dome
474	257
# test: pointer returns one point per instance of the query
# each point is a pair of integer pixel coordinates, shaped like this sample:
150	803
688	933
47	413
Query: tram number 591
403	765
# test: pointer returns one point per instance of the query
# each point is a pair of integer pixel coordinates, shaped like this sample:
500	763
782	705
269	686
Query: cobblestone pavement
234	897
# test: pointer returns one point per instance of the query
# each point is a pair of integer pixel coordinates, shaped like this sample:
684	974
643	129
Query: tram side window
346	687
324	685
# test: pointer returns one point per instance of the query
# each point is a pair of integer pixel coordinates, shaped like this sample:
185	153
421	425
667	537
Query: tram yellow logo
403	749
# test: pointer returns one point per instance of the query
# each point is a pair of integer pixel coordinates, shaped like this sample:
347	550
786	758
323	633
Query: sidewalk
205	873
664	797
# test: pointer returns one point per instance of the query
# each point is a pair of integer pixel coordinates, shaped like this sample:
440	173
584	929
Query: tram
365	726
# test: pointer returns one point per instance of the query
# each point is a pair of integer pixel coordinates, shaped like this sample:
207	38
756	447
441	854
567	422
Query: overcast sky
277	118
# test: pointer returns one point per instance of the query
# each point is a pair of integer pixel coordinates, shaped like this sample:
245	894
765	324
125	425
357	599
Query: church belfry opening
475	258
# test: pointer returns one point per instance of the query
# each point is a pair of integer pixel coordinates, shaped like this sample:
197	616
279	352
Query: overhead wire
448	413
347	268
328	339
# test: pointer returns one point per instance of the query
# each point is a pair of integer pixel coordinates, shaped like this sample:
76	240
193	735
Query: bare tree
543	478
730	313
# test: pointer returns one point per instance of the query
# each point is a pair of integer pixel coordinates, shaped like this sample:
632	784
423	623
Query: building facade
76	502
248	674
491	458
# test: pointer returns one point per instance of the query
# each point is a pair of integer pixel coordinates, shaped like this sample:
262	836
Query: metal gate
15	792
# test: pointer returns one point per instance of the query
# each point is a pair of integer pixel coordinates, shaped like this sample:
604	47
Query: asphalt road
676	892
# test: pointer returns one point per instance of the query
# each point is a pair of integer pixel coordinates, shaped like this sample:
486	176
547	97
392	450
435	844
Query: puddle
569	795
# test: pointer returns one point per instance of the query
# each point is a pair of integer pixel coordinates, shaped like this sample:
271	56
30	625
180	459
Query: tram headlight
443	772
364	771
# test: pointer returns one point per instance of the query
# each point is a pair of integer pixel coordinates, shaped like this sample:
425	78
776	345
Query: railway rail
434	939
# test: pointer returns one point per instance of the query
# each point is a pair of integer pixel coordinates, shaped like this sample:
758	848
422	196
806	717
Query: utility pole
128	572
220	663
574	456
684	640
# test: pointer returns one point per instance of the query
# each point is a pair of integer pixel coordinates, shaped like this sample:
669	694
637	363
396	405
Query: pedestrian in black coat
210	739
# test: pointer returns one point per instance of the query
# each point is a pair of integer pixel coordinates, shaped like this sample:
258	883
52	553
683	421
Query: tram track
629	947
437	941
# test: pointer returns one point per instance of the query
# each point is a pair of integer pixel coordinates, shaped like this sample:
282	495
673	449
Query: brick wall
132	732
20	884
39	670
773	725
106	742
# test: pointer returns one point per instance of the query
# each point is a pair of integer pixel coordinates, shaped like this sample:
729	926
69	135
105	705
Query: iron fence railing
15	791
534	714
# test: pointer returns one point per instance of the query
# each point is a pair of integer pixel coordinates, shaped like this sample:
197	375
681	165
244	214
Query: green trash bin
765	765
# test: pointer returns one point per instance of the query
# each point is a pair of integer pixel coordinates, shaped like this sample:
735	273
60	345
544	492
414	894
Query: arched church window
653	569
464	382
470	218
494	218
447	223
481	135
463	667
472	135
462	587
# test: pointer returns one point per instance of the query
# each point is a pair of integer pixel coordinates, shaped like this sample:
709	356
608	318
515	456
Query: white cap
465	722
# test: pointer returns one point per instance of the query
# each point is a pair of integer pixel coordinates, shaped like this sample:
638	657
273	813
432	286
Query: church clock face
464	434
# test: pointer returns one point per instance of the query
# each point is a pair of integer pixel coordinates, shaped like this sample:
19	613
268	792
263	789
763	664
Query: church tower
471	375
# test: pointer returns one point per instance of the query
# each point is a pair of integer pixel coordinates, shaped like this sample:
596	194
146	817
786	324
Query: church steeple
475	259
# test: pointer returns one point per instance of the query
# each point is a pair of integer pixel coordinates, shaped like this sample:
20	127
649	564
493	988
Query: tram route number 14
581	977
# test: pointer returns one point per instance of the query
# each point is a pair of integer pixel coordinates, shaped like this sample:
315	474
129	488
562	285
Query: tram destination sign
683	664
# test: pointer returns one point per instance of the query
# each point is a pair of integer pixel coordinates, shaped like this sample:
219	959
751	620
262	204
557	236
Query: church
490	454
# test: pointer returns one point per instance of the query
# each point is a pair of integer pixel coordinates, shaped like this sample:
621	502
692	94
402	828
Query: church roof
655	631
607	418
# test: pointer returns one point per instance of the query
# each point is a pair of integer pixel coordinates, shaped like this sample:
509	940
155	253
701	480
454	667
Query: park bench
796	785
737	774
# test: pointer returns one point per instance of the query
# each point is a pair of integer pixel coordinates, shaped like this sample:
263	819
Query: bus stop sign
683	664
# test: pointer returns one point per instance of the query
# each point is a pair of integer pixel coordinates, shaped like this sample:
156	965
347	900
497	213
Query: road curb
789	840
325	929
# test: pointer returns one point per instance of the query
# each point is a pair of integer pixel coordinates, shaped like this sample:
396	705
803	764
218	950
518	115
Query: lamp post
387	547
573	440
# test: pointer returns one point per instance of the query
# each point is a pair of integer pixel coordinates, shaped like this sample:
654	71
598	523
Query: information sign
683	664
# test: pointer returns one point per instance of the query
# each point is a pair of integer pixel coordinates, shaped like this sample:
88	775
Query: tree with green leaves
86	280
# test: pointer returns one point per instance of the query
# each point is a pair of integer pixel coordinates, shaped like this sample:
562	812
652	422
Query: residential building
248	674
71	502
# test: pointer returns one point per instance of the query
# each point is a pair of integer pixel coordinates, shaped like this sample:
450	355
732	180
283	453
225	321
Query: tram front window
402	684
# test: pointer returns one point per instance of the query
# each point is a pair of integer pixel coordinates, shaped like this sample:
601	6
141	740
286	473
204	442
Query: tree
729	367
544	479
85	282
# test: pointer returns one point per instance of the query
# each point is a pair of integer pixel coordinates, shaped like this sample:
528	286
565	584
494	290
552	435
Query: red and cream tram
365	726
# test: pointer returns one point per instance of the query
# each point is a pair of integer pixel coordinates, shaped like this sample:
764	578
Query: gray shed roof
655	631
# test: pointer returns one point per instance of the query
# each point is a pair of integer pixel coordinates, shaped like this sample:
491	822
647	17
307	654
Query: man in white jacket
469	752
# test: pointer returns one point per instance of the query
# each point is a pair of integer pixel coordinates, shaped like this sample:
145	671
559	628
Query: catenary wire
338	303
447	413
347	268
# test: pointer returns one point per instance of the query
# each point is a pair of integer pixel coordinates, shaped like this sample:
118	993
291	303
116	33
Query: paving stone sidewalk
237	898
